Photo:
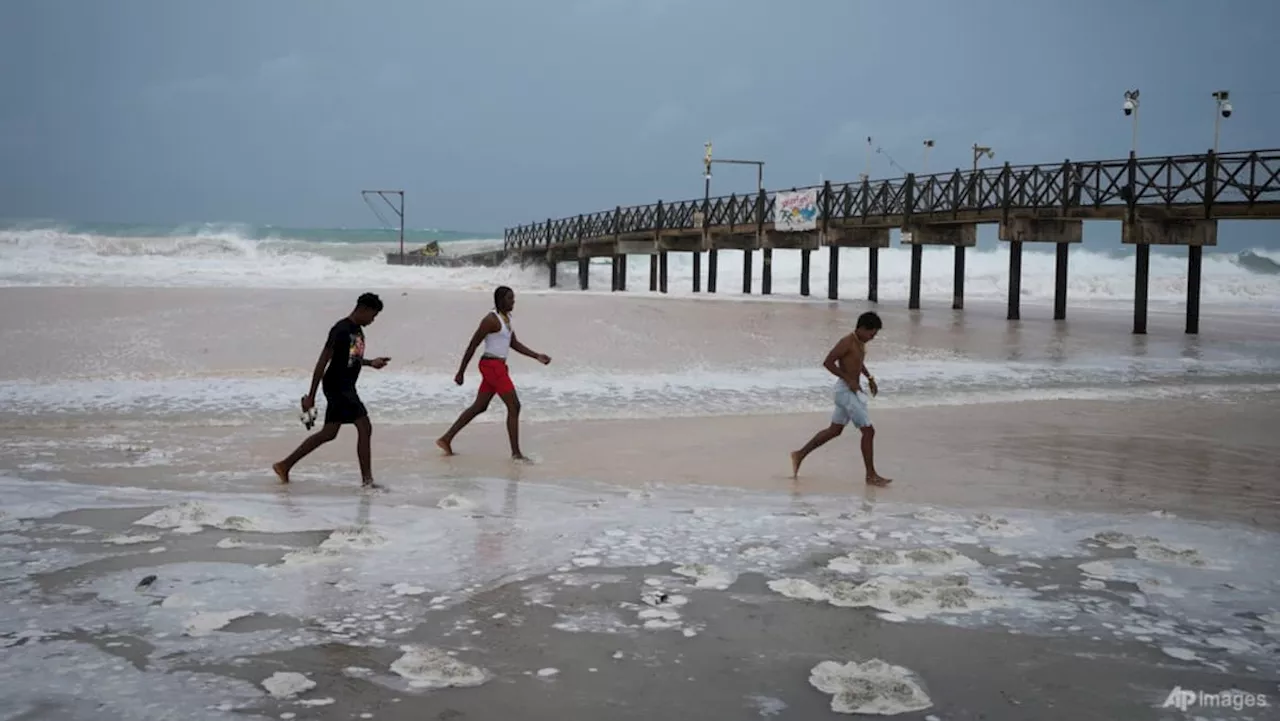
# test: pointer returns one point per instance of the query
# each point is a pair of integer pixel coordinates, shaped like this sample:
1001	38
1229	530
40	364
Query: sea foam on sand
425	667
910	598
870	687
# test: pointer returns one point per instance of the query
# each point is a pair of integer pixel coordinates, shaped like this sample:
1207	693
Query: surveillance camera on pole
1130	102
1131	109
1223	100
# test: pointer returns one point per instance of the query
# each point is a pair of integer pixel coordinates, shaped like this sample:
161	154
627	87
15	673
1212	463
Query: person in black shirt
337	370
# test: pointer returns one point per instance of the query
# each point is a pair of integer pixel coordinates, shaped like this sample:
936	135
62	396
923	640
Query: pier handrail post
1067	185
1006	179
826	207
1210	182
908	199
548	235
1133	186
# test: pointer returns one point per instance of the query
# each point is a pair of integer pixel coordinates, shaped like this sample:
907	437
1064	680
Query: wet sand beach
1073	508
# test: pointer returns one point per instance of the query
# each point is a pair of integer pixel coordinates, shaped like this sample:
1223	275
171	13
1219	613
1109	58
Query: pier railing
1232	185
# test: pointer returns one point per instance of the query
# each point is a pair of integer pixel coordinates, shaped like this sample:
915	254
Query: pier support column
804	272
662	271
746	272
1193	289
1015	280
584	274
766	272
622	271
1061	231
1060	282
873	275
697	271
917	253
1142	278
833	273
712	257
956	235
1195	234
551	272
615	265
653	273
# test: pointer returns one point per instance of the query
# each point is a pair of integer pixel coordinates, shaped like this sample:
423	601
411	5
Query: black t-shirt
346	340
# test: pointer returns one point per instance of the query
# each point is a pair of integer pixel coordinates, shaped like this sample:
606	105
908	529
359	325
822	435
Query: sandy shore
1130	538
1077	455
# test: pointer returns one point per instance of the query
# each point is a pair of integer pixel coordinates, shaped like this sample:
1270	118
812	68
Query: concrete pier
959	235
1164	200
1144	233
1060	231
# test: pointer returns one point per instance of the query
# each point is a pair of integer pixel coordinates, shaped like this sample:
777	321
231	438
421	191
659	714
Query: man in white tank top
498	339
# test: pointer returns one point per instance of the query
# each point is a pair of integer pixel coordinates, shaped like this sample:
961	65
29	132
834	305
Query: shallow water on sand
1112	495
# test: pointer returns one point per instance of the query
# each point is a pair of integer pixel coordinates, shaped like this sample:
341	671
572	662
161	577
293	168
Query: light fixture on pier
978	152
1223	100
1131	109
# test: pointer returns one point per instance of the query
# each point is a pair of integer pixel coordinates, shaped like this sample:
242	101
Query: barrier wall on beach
1170	200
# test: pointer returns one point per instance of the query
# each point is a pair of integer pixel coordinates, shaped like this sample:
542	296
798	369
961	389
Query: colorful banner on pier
796	211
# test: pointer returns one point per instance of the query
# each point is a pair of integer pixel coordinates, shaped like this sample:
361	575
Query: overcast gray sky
496	112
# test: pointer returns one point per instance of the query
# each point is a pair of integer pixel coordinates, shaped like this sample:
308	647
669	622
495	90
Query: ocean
1070	500
41	253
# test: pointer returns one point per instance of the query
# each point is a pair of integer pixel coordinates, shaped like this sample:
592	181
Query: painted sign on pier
796	211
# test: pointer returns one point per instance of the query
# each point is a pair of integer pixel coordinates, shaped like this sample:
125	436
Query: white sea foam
909	598
870	687
706	576
284	684
550	394
425	667
900	561
349	596
202	624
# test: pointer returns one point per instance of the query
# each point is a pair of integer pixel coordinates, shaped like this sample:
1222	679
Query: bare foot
875	479
796	458
369	485
281	472
520	458
445	446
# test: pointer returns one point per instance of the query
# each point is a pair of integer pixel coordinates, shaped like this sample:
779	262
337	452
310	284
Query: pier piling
873	275
833	273
1015	280
1193	288
1060	283
917	253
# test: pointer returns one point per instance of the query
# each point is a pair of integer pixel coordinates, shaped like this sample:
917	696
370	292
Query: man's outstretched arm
524	350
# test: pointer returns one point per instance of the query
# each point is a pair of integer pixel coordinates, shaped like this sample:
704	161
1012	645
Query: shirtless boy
847	362
498	338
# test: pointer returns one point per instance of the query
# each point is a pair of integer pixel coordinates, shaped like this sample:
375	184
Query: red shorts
494	377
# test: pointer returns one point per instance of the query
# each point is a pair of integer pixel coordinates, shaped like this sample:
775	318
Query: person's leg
480	405
840	417
513	423
326	433
863	421
364	438
819	439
